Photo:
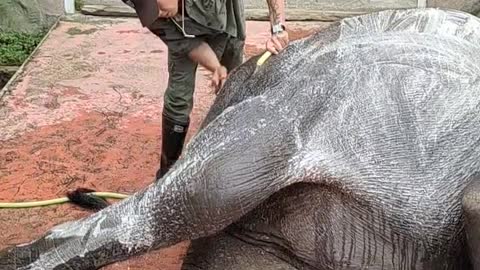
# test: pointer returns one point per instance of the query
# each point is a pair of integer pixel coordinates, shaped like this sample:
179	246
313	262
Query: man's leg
178	103
233	53
178	98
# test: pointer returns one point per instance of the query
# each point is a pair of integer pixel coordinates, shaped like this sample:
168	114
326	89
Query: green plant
79	4
16	47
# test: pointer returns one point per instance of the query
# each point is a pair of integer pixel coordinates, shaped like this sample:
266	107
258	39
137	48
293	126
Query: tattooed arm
276	10
279	40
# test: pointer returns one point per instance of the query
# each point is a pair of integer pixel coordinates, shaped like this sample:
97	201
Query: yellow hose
264	58
110	195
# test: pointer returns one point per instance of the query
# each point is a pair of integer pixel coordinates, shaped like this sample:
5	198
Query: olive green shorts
178	98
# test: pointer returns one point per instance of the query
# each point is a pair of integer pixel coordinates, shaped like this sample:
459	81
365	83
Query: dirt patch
76	31
128	31
302	30
255	45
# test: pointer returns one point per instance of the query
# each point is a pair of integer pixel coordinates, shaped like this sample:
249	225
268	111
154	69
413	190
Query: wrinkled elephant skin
356	148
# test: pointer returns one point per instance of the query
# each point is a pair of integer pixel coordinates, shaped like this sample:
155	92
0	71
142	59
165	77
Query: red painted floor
86	113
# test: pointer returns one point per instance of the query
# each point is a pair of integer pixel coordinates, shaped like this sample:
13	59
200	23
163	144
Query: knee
178	97
177	108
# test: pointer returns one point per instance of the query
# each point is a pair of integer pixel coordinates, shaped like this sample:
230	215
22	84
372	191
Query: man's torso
220	15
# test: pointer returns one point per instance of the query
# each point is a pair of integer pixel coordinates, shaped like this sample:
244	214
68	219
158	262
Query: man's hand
206	57
167	8
218	78
277	42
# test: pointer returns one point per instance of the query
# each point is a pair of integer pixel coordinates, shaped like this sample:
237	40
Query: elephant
357	147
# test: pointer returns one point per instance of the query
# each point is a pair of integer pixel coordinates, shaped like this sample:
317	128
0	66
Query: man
206	32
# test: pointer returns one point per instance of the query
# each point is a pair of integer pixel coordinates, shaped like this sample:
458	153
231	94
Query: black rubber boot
173	138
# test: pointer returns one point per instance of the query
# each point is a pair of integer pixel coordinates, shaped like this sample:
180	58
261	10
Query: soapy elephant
355	148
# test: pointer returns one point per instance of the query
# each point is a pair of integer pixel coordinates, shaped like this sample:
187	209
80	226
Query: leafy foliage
79	4
16	47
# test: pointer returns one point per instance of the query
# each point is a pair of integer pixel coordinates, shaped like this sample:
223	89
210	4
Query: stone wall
329	10
337	5
471	6
29	16
355	6
52	7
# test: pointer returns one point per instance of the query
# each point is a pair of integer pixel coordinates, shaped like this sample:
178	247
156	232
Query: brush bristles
82	198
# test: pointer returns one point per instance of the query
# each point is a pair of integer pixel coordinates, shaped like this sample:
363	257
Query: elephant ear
471	208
